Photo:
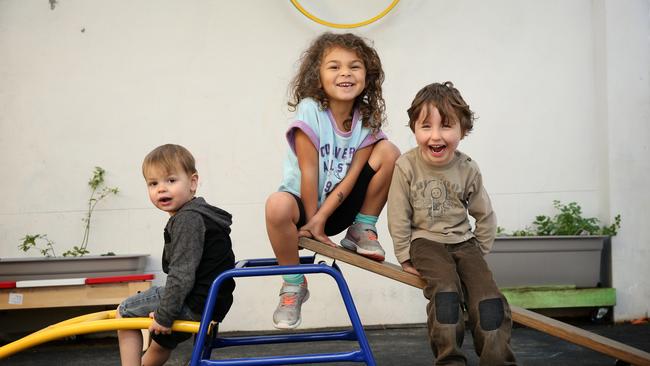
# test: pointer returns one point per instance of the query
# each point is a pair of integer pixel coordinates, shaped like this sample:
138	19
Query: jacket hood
221	217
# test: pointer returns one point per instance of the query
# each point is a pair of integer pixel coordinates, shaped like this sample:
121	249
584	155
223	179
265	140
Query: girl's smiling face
437	139
342	75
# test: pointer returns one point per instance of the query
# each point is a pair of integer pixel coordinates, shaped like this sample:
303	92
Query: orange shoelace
371	235
288	300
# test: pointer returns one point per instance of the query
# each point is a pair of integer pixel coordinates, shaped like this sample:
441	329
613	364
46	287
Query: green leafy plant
568	221
99	191
31	241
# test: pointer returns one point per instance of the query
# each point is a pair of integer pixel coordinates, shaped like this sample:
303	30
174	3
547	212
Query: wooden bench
34	294
520	315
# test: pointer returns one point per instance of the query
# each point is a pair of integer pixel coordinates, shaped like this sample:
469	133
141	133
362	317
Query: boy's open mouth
165	199
437	148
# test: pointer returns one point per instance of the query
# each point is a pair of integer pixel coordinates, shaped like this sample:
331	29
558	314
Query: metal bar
355	356
269	267
347	335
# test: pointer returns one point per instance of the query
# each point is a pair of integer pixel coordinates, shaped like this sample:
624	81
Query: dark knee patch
447	305
491	313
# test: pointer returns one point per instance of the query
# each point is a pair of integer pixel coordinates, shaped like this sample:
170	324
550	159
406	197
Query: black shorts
344	215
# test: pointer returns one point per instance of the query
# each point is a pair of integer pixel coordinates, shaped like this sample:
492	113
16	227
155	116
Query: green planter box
19	269
580	261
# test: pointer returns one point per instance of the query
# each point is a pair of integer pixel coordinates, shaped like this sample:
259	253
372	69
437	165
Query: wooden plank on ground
522	316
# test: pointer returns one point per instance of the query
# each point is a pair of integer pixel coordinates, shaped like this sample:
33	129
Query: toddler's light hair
170	158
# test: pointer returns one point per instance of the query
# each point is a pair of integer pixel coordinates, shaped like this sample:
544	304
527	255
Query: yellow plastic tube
84	327
107	314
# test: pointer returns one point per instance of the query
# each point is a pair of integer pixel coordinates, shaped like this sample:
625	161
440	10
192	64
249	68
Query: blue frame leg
205	342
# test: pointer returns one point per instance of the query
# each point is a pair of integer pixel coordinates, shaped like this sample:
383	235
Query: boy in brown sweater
433	189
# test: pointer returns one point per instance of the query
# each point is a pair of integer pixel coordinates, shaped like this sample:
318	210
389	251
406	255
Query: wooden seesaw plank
520	315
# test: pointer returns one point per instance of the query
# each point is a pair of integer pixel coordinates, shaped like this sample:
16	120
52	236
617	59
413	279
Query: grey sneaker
362	238
287	314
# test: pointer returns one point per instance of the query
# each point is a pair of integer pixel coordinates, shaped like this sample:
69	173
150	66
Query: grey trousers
457	275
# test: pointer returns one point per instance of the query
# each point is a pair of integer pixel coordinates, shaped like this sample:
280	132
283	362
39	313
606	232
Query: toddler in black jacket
197	249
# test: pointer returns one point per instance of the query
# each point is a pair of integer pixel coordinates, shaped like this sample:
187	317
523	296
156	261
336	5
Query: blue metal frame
268	267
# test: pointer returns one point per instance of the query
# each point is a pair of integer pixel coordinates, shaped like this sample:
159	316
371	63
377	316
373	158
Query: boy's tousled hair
170	157
306	83
449	102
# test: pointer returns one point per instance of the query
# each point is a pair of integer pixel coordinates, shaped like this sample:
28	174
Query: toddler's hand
407	266
156	328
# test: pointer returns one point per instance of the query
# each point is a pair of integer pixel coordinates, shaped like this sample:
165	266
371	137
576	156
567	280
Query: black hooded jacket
197	250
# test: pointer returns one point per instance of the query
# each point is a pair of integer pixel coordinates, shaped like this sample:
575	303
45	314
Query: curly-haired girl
339	165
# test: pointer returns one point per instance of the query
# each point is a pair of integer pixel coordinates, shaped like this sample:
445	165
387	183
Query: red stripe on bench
7	284
114	279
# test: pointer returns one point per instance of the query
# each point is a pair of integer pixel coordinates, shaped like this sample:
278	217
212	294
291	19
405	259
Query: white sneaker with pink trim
287	314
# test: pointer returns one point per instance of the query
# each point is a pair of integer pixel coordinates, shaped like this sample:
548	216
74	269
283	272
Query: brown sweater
431	202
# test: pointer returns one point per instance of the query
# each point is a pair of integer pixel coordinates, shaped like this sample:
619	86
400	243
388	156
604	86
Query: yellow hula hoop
343	25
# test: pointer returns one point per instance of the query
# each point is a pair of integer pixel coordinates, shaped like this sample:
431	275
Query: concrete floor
390	346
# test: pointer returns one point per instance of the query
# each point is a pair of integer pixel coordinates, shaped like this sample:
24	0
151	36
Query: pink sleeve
304	127
371	139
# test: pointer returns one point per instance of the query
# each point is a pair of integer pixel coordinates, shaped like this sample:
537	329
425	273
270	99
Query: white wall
103	82
627	102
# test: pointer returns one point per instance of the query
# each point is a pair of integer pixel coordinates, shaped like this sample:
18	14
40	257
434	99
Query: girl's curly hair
449	102
306	83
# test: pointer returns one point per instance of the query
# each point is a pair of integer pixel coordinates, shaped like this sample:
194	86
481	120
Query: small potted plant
74	262
564	249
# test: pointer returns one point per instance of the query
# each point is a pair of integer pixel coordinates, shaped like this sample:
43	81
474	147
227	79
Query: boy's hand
156	328
407	266
315	229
